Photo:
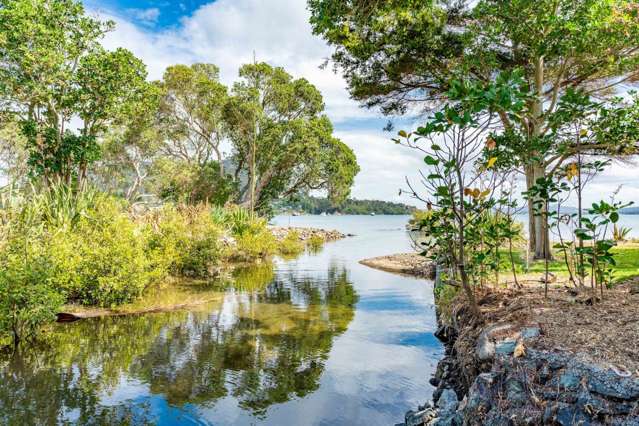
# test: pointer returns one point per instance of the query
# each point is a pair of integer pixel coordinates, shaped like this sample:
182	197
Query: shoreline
513	369
533	361
306	236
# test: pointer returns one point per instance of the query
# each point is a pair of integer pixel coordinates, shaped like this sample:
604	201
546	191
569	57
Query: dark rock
447	403
592	405
507	347
434	381
569	380
480	395
565	415
515	392
530	332
544	373
610	385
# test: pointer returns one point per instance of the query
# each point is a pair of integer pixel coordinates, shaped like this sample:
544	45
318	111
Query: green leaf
431	161
614	217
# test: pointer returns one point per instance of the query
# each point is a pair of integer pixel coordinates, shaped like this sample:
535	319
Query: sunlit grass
626	256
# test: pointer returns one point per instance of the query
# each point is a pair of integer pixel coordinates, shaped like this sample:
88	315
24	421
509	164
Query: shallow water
319	340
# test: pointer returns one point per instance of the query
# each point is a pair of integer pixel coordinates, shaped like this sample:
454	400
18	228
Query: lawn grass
626	256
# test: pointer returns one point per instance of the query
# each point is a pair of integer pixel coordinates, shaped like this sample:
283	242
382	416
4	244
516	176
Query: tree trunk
538	224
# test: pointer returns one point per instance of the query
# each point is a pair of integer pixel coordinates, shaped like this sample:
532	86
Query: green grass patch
626	256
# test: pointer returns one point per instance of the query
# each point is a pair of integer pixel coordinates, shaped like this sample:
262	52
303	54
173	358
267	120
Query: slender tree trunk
538	169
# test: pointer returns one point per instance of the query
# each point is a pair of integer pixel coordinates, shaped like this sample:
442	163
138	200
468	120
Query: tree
131	146
401	54
54	73
191	114
282	143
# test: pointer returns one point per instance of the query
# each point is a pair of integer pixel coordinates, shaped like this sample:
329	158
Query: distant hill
630	210
318	205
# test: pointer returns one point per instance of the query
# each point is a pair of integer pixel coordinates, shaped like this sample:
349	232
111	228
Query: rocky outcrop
509	382
305	234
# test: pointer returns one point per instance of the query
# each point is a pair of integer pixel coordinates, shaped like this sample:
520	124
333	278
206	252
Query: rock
610	385
530	332
569	380
447	402
420	418
507	347
515	392
485	349
634	287
480	395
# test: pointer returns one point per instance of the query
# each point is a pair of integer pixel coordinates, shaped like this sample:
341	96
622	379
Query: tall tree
282	142
191	114
53	74
401	55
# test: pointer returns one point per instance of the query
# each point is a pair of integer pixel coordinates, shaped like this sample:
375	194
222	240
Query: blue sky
228	32
150	13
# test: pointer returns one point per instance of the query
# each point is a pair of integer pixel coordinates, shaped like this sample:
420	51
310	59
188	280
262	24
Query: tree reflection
260	348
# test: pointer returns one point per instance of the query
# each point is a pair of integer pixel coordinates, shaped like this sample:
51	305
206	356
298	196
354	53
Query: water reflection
257	344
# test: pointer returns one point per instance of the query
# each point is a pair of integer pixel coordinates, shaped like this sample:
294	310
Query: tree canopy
403	55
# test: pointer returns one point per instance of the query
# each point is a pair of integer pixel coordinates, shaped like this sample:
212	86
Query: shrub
291	244
255	241
316	242
102	259
27	300
184	241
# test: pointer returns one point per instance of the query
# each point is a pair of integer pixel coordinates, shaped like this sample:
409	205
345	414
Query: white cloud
147	16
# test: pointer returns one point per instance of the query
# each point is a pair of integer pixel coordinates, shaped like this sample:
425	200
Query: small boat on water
373	214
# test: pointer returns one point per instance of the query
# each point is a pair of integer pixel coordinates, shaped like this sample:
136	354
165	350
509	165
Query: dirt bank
402	263
560	361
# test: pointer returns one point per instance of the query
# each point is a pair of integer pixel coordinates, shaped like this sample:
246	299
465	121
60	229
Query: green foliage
620	233
182	182
317	205
28	299
316	242
395	54
282	141
184	240
101	261
53	71
291	245
255	242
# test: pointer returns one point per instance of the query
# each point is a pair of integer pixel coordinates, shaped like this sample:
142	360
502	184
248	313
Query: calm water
319	340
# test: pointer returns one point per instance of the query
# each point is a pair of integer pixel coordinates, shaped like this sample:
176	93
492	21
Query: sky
228	33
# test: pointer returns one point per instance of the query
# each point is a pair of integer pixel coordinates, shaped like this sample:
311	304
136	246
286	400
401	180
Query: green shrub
101	260
316	242
255	241
184	241
27	300
291	245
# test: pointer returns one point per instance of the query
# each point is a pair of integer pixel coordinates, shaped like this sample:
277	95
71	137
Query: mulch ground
605	332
